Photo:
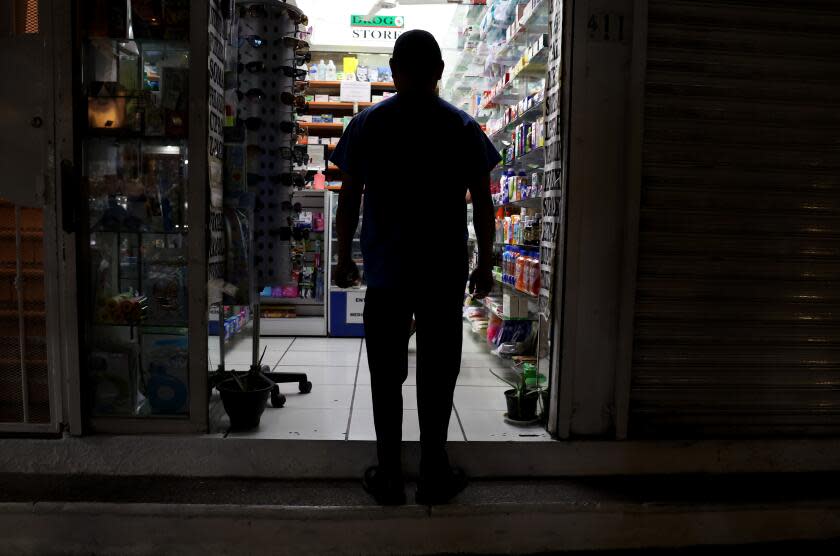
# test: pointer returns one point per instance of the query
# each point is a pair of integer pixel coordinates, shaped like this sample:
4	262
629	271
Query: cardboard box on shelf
334	140
335	98
322	98
313	140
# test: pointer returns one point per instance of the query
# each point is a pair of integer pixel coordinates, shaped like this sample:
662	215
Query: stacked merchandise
504	72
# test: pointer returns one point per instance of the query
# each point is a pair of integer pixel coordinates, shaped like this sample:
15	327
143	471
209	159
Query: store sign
389	21
378	27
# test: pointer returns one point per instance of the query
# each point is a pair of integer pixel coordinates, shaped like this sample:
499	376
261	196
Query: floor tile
325	358
298	423
472	376
482	425
362	399
322	396
318	374
361	426
487	398
326	344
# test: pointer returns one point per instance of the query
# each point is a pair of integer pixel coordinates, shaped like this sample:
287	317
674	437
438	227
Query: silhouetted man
415	157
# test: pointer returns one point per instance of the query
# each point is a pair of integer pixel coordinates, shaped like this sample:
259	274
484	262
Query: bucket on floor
245	407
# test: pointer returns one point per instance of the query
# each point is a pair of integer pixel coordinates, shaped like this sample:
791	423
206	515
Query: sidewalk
166	515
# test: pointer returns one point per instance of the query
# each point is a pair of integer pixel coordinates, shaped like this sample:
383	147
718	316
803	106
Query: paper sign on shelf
355	91
317	157
355	306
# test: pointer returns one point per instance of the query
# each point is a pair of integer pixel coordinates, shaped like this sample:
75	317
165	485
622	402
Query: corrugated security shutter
737	326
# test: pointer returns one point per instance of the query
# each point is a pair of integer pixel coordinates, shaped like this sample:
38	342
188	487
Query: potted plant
521	399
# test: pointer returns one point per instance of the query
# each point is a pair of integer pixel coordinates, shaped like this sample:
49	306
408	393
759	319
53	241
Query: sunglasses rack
289	244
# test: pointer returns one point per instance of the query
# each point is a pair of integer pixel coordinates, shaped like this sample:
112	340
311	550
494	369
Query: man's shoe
387	489
441	489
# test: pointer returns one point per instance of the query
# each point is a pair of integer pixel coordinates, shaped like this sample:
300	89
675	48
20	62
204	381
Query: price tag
355	91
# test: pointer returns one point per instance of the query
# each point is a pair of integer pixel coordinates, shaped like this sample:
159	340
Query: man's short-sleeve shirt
416	161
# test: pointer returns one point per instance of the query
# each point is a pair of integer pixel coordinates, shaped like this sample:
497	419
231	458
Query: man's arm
346	220
484	222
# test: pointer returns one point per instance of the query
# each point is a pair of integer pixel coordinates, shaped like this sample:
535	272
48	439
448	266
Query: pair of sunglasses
289	99
293	42
254	41
289	71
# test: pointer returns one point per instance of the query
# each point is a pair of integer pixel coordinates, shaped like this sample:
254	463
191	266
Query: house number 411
606	27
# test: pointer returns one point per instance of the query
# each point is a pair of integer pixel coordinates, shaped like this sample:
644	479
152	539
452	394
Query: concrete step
49	514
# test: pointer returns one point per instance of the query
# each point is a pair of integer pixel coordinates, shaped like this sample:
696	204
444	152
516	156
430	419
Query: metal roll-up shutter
737	327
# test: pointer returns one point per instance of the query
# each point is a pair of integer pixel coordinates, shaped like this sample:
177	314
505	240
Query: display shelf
534	157
529	116
530	25
513	289
536	66
318	84
322	126
290	301
338	105
533	202
292	326
490	306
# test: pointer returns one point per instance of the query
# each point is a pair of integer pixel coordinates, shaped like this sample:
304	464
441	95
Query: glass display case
346	304
135	145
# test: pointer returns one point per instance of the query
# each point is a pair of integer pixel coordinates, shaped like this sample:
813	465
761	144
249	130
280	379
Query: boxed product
335	98
313	140
376	98
309	98
322	98
325	140
327	118
334	140
305	118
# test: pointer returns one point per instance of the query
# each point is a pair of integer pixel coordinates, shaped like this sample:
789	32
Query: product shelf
322	126
533	202
337	105
529	116
290	301
318	84
534	158
492	307
516	291
508	93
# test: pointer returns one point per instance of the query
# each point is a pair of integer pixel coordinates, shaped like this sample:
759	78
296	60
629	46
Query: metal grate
24	384
737	308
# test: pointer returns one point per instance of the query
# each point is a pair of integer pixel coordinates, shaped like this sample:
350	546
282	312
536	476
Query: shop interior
294	76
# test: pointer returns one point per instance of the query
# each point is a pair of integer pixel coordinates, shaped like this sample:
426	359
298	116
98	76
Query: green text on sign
396	21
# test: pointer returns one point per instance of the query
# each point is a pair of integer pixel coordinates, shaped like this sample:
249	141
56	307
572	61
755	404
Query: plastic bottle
319	181
331	71
313	72
535	276
520	271
322	71
522	186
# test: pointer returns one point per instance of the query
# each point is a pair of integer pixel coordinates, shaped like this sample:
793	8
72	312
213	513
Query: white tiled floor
339	406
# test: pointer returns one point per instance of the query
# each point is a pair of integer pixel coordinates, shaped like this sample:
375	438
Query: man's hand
347	274
481	282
